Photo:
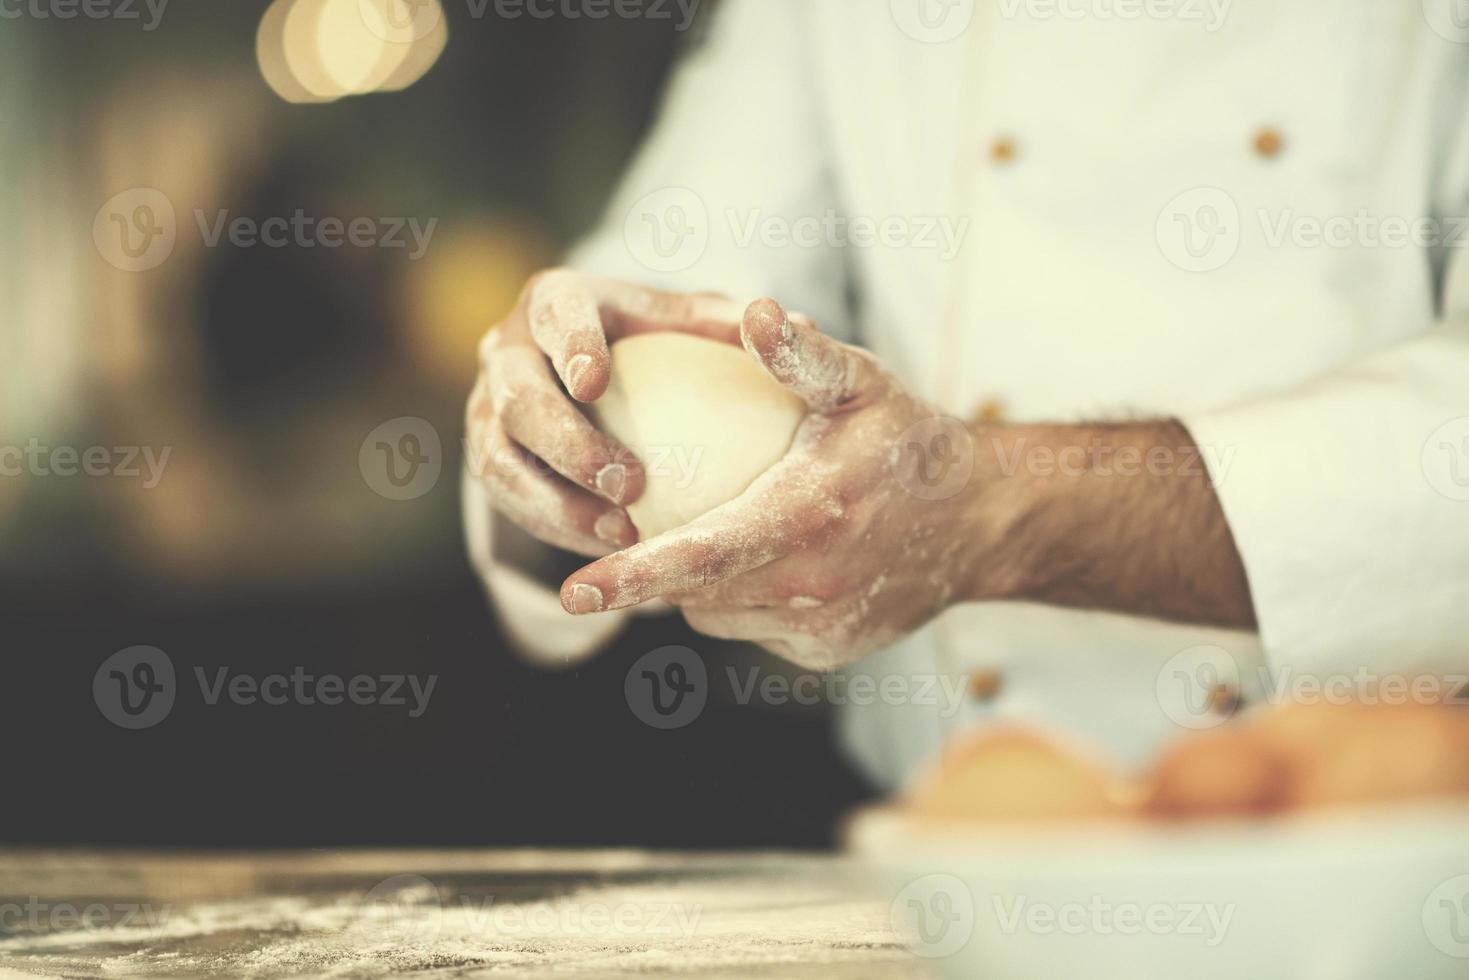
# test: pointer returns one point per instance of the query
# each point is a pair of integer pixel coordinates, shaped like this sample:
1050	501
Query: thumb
822	372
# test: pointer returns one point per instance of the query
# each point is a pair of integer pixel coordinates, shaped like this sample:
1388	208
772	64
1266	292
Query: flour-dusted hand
827	556
546	467
884	512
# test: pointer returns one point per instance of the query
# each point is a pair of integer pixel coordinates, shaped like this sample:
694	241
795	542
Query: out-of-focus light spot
355	55
321	50
303	50
469	278
422	55
270	52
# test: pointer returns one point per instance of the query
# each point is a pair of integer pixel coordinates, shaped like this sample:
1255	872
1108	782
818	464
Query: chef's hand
828	555
546	467
853	539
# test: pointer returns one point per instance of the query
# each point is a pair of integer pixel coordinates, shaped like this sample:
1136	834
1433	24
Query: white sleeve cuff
1342	498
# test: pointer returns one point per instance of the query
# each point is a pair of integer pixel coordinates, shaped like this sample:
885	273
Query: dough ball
704	418
1233	771
1359	753
1016	775
1307	756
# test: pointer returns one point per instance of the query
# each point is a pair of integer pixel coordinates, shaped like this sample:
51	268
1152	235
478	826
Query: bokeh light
322	50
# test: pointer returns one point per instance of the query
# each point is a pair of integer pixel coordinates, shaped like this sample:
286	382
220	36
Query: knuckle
491	344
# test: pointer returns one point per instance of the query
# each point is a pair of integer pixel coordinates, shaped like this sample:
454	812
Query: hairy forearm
1120	517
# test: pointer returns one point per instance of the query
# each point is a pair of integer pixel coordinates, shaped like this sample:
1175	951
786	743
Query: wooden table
441	913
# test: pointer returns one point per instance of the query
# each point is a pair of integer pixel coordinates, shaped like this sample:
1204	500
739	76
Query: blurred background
226	390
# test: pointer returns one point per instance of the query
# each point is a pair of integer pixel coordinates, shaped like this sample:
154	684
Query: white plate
1364	894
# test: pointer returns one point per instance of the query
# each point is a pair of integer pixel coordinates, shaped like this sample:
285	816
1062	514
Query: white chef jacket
1162	209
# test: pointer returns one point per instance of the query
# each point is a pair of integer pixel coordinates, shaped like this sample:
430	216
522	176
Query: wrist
1009	505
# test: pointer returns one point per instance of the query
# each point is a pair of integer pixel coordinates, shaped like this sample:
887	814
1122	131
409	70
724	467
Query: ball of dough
1016	774
1360	753
1232	771
704	417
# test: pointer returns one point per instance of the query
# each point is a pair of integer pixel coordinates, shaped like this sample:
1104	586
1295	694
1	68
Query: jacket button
1269	143
1224	700
989	410
983	685
1002	150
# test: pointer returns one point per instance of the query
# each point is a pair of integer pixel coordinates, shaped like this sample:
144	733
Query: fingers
542	503
822	372
535	413
571	317
566	324
628	309
778	514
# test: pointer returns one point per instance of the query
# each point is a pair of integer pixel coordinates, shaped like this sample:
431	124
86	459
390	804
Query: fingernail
584	599
615	528
612	481
575	369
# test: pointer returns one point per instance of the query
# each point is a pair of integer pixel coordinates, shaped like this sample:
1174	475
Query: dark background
263	549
